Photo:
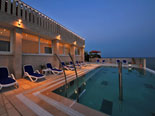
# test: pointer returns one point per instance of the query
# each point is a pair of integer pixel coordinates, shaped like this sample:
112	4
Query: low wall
65	58
37	60
78	58
141	62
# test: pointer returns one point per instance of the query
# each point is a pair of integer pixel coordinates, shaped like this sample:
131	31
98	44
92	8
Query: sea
150	63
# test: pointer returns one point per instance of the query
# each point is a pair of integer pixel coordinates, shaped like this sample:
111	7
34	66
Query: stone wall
141	62
7	61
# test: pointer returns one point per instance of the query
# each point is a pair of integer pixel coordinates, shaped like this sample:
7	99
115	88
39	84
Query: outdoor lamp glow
19	22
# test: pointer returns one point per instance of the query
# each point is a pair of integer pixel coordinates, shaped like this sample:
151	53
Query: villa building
27	36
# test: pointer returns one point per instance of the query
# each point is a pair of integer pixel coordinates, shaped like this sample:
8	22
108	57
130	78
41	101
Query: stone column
17	50
72	52
144	63
82	54
55	51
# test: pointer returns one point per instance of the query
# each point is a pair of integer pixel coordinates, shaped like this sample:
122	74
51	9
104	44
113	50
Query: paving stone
107	107
4	114
2	110
8	106
13	112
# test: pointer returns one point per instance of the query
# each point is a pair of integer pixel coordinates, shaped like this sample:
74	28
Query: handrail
120	81
77	82
66	84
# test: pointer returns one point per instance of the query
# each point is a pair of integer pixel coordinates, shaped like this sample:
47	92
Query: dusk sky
118	28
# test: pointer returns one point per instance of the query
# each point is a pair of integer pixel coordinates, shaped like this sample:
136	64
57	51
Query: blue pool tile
149	86
104	83
153	114
107	107
114	72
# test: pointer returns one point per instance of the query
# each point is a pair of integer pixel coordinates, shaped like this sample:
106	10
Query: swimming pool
99	90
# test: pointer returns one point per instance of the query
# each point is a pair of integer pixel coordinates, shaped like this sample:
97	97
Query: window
61	49
4	40
77	51
33	45
45	46
67	49
30	44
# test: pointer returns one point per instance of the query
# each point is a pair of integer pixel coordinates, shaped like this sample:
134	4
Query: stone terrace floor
36	98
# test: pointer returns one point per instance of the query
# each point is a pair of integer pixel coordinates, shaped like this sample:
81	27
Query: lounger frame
54	71
10	76
31	77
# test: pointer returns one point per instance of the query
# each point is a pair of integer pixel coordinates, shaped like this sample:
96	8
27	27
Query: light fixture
74	43
58	37
19	22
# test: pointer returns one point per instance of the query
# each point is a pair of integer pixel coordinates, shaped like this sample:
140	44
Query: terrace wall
141	62
7	61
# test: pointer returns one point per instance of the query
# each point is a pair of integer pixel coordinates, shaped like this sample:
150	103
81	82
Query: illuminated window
67	49
61	48
30	44
45	46
4	40
77	51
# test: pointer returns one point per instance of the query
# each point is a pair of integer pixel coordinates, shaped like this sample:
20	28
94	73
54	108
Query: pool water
99	89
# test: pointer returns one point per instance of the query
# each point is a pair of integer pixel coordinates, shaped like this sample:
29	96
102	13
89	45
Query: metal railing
66	84
77	82
120	81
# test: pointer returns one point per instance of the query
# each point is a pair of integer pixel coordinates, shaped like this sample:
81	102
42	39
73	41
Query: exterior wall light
74	43
19	22
58	37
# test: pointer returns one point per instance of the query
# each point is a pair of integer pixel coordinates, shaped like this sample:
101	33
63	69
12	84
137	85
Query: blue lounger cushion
37	75
4	77
56	70
7	81
63	63
50	66
118	61
124	61
70	67
30	71
3	73
33	75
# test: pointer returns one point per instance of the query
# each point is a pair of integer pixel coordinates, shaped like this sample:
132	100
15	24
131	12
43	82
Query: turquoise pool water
99	90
